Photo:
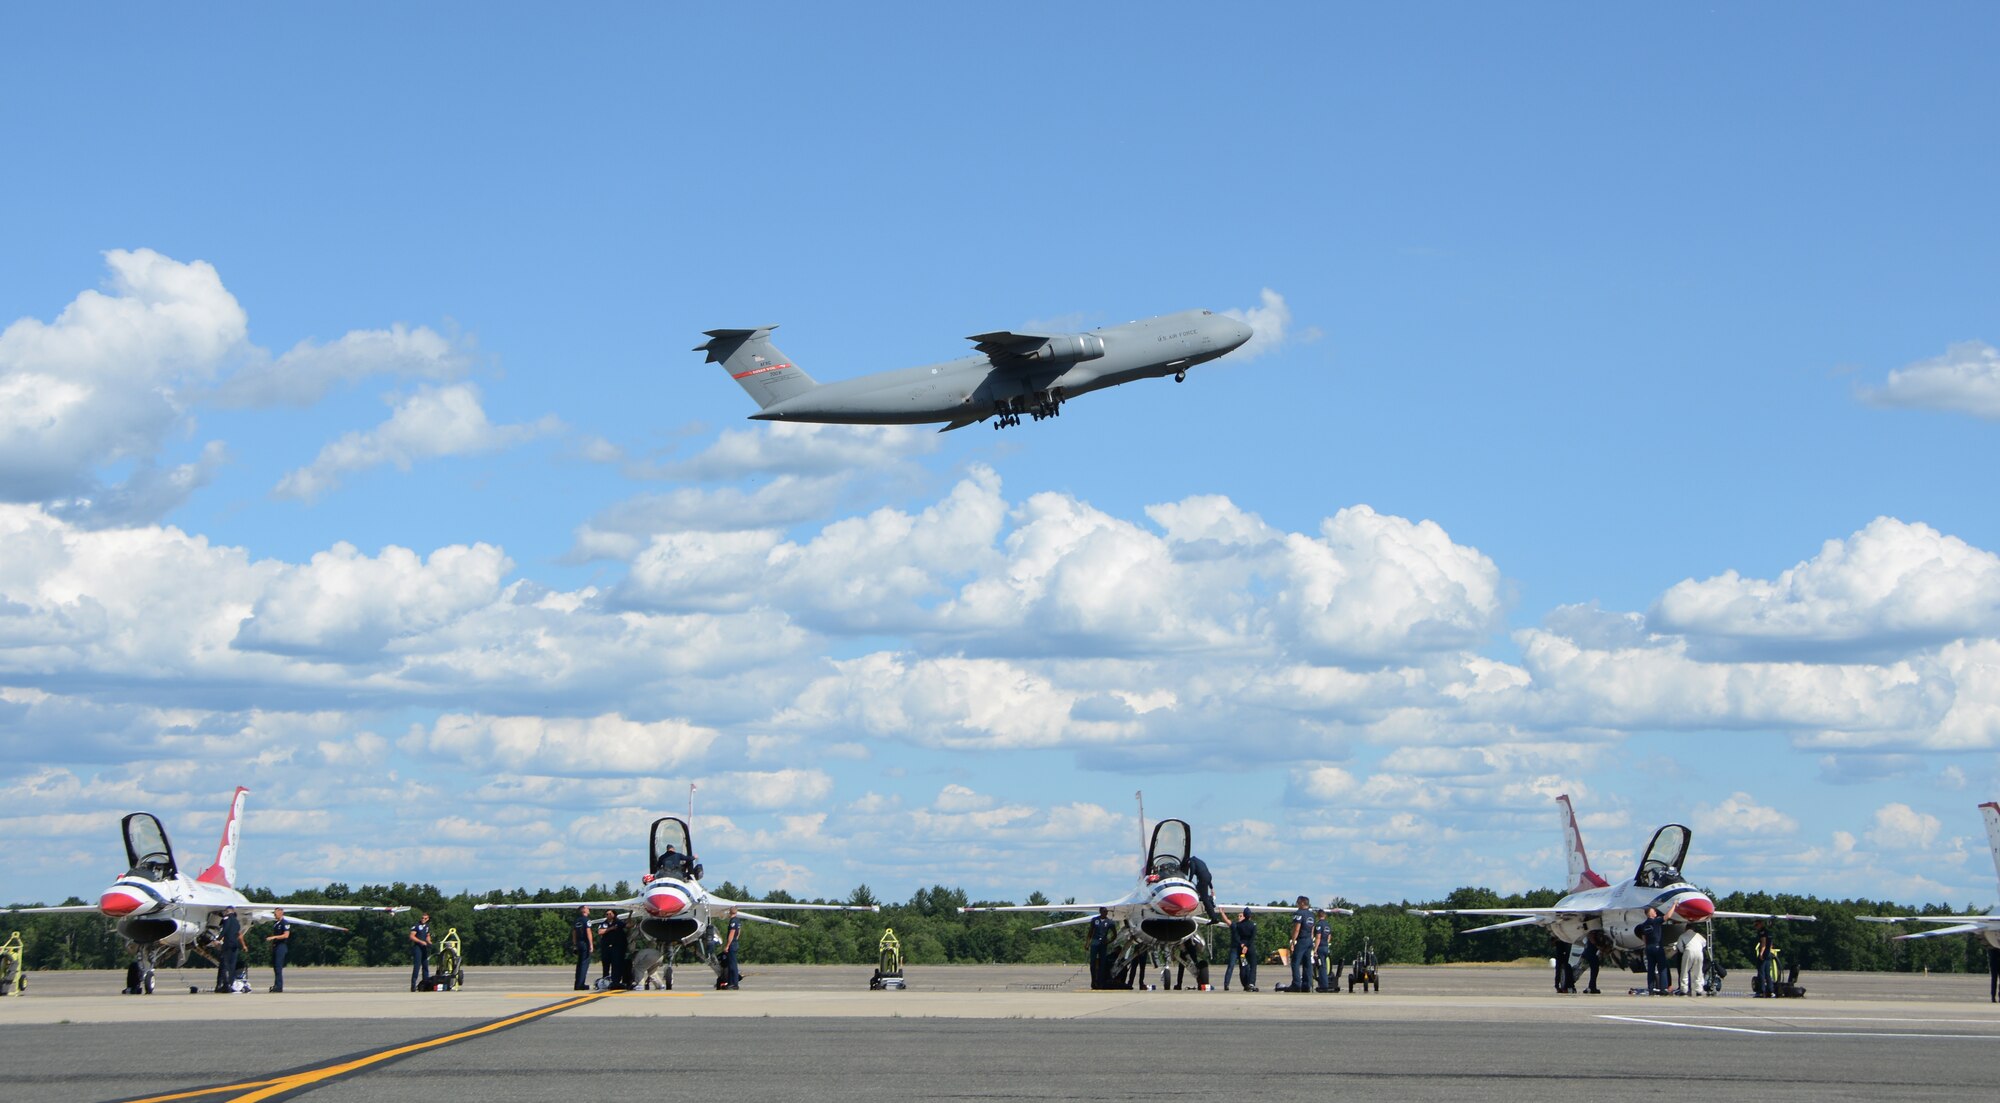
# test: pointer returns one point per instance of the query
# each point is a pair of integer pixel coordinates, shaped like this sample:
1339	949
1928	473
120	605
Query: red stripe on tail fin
223	870
1581	876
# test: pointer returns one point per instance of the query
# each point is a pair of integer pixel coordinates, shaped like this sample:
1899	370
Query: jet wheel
1180	377
669	985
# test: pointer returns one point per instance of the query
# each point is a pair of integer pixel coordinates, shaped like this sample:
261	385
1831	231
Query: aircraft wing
266	917
74	908
572	905
1522	913
1274	909
1041	907
1763	915
1962	928
1969	919
755	918
1075	922
1000	342
719	902
384	909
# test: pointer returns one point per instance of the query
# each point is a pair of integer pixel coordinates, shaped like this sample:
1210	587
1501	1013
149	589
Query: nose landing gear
1180	376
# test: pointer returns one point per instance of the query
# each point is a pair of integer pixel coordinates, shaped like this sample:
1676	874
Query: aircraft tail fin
752	360
223	871
1581	876
1991	811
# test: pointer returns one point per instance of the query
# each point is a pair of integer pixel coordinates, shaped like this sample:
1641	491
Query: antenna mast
1140	796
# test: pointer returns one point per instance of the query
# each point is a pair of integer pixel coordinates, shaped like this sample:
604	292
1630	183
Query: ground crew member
1767	963
1242	951
1565	977
1302	946
615	955
232	946
1204	887
732	977
1323	953
582	943
280	940
1100	948
420	952
1593	956
1694	962
1993	974
1653	930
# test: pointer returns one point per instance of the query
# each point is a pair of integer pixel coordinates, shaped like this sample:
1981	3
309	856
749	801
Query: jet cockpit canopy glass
1168	855
147	852
1662	864
672	849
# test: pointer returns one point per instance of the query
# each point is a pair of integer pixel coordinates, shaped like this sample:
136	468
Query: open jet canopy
1168	855
1662	865
671	852
146	848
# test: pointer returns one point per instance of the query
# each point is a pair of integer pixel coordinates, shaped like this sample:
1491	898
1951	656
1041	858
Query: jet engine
152	930
1068	347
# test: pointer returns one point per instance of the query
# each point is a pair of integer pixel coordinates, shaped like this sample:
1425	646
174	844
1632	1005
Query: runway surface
988	1033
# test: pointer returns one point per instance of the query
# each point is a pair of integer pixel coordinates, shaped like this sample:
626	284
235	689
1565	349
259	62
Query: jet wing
717	901
266	917
73	908
384	909
755	918
1274	909
1971	919
1524	913
1041	907
1962	928
572	905
1076	922
1763	915
1001	342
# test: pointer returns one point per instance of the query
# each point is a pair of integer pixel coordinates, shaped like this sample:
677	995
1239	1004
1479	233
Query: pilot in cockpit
674	864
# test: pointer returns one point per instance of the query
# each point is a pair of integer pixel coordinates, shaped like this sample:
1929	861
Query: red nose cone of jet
1178	903
664	904
117	903
1694	909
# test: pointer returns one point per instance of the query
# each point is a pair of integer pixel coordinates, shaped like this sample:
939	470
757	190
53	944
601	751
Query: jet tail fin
1581	876
769	376
1991	811
223	871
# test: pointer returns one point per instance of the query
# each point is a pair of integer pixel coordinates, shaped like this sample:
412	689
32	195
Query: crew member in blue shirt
582	943
232	947
1242	951
1204	887
1302	946
1100	948
1323	953
420	952
1653	930
732	977
280	939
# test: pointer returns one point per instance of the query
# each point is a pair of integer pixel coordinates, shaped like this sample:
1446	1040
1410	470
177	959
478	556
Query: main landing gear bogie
1046	404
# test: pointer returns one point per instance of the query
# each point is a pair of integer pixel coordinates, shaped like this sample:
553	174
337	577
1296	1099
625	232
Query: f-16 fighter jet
1008	375
675	913
1158	920
158	908
1595	906
1985	926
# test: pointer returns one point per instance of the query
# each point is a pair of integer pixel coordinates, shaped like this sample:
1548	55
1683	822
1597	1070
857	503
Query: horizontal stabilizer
766	374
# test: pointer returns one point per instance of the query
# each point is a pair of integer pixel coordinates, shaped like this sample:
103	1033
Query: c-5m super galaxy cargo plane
1011	373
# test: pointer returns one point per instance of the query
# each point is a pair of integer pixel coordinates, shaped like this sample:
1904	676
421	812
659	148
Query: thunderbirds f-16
1010	374
1985	926
1595	905
1156	921
674	911
158	908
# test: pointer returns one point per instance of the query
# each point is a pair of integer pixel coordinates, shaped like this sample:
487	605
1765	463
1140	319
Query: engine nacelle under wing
1068	348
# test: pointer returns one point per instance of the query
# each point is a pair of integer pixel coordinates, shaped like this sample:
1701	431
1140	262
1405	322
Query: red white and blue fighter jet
1985	926
1160	918
1594	905
673	911
157	908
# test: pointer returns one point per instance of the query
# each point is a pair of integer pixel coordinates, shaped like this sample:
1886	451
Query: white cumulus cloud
1966	380
431	423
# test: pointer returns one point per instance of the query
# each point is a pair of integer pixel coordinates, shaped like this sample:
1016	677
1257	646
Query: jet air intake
1069	347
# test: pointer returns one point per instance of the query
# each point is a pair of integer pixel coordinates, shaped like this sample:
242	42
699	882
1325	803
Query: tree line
933	931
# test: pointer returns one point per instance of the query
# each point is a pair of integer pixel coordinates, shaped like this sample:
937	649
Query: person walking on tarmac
1100	949
1653	930
280	940
732	976
582	943
420	952
1242	951
1302	946
1204	887
1593	956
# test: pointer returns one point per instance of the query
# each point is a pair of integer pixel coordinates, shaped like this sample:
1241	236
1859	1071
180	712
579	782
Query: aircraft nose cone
663	904
1694	909
1242	335
117	903
1178	903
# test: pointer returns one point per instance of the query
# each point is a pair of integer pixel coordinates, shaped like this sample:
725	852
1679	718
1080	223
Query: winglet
1581	876
223	871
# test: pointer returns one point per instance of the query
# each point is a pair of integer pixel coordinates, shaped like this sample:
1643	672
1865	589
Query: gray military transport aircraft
1010	374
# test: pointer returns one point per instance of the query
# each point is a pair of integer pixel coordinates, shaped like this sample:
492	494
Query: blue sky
1621	424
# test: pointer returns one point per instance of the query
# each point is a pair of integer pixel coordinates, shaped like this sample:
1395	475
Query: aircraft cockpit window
1662	865
1167	856
147	852
672	851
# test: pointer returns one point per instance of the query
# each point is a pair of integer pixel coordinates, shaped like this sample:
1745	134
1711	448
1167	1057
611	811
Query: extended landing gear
1180	376
1043	404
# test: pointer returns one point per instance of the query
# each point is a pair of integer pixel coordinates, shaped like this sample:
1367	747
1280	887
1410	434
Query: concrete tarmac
992	1033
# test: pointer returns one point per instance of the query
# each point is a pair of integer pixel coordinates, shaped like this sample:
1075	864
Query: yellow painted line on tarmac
270	1087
